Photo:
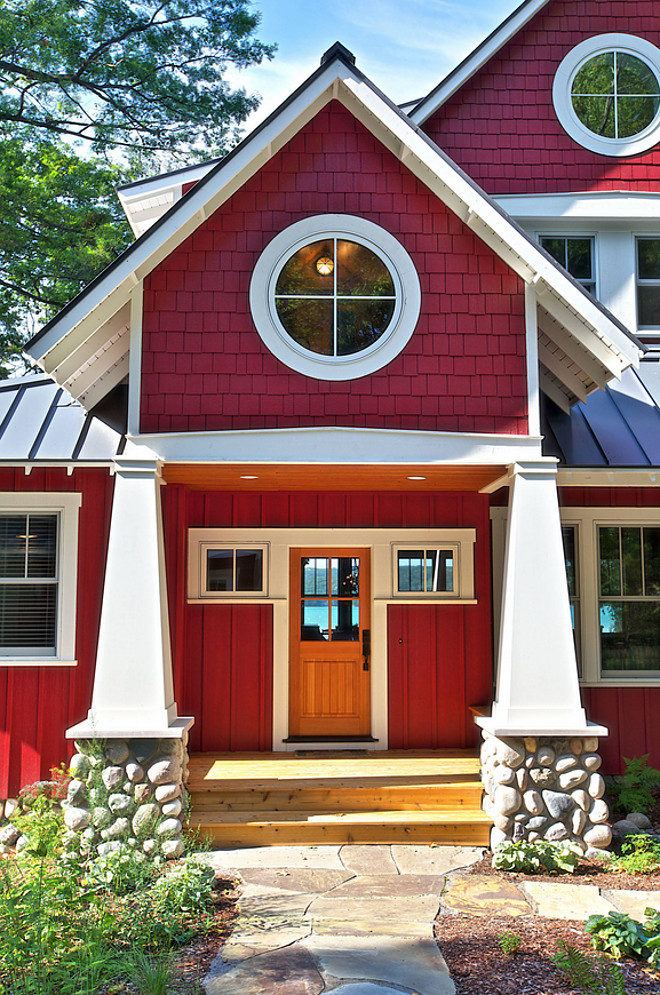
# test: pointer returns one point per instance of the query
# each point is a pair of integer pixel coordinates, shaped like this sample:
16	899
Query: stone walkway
358	919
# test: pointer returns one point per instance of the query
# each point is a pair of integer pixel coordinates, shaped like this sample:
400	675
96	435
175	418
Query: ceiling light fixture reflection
324	266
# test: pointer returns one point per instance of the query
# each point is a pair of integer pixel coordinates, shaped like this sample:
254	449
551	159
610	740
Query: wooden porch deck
265	799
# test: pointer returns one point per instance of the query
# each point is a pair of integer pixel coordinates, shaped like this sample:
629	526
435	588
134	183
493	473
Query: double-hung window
648	284
576	254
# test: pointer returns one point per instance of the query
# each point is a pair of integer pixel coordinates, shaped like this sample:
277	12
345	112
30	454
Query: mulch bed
587	872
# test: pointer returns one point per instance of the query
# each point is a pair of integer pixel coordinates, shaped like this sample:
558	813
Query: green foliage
92	95
187	887
121	871
539	857
617	934
593	976
634	785
509	943
651	927
150	975
639	855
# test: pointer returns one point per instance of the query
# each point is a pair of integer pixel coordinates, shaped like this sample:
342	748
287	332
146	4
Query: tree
94	93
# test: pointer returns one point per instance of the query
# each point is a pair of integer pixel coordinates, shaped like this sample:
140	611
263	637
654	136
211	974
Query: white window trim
644	329
67	506
293	355
197	589
554	233
561	94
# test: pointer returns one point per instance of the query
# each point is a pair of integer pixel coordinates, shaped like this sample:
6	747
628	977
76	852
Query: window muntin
576	254
233	571
335	297
29	584
629	599
606	94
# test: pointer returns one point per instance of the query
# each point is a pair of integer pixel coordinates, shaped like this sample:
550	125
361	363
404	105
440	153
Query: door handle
366	647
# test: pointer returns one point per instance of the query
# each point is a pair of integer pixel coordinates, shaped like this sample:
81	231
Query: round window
335	297
607	94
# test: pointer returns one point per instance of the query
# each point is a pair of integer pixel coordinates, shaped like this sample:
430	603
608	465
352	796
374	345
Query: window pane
596	75
249	569
301	275
652	561
630	636
313	620
557	249
410	569
634	114
345	621
314	575
596	114
42	546
648	258
308	322
439	570
13	532
28	614
631	562
579	257
648	305
345	576
220	570
634	76
568	537
610	565
361	323
361	272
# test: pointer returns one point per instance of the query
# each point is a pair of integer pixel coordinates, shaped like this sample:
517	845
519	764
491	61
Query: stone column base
544	789
130	792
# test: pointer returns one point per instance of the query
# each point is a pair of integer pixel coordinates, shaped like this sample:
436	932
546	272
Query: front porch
315	797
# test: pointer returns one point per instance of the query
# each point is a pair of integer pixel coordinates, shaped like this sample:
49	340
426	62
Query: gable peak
337	51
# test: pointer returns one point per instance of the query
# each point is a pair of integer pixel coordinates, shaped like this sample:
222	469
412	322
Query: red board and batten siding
631	714
37	704
204	367
223	653
501	127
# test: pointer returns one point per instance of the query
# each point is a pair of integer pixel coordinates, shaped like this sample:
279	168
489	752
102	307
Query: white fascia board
607	476
133	193
331	445
478	58
611	205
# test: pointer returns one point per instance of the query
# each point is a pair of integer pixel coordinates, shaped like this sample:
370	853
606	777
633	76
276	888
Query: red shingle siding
204	366
501	126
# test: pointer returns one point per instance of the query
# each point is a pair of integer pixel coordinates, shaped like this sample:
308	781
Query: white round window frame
561	94
286	349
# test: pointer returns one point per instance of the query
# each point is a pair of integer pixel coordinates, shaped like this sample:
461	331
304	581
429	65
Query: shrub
639	855
540	857
187	887
595	976
634	785
617	934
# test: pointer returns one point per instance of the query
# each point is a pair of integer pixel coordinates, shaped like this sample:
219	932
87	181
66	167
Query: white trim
197	590
378	240
533	386
300	446
135	359
478	58
601	206
67	506
379	541
561	93
608	477
461	543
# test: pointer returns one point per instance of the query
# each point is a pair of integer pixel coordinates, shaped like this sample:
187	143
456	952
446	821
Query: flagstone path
358	919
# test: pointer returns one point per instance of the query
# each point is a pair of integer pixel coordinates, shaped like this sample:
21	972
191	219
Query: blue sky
404	46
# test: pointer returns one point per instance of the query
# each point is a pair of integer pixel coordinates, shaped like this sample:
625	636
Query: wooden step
228	829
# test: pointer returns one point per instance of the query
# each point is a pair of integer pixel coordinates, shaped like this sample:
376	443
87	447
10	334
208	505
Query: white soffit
601	206
147	200
87	329
478	58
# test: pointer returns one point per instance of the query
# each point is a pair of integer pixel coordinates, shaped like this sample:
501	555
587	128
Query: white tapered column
133	688
537	683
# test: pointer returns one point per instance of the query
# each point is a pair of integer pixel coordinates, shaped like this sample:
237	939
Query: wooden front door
330	643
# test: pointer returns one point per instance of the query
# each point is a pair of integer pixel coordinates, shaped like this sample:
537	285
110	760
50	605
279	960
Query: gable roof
476	59
86	347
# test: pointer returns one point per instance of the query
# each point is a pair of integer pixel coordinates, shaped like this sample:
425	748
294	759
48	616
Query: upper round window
335	297
607	94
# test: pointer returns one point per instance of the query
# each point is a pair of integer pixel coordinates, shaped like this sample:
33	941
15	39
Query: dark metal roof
41	422
617	427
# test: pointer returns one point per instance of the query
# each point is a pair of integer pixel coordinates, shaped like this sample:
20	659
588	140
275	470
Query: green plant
651	926
150	975
617	934
187	887
509	943
639	855
538	857
634	785
123	870
594	976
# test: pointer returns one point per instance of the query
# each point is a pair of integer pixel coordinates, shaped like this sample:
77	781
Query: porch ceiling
330	477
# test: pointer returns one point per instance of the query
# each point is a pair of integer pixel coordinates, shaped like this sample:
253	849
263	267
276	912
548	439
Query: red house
314	458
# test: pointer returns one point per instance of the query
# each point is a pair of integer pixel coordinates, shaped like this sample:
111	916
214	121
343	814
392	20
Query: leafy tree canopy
94	93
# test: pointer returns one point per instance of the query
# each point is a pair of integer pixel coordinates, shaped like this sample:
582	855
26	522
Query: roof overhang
86	346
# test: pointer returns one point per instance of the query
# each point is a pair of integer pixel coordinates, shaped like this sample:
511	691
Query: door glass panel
314	575
346	621
219	570
313	620
345	576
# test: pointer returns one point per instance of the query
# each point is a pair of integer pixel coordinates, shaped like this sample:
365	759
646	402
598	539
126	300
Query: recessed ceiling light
416	478
248	476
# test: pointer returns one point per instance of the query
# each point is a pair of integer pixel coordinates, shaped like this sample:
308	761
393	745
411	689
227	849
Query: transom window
629	604
576	254
335	297
606	94
28	584
233	570
428	571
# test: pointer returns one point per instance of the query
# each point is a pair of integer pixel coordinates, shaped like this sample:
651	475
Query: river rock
134	772
537	823
173	849
79	765
172	809
590	744
598	837
119	830
509	752
503	822
116	751
167	792
641	821
145	818
9	835
164	771
143	749
565	762
556	832
530	744
571	779
558	804
169	827
504	775
142	793
543	777
507	800
113	777
76	818
623	827
545	756
496	837
599	812
581	798
76	791
120	804
597	786
101	816
575	746
533	802
522	778
578	821
592	762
